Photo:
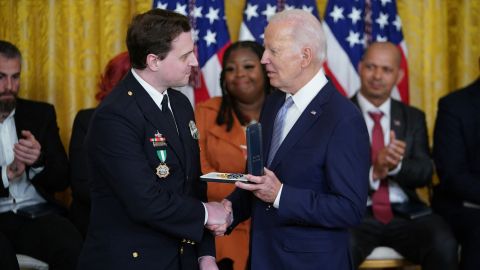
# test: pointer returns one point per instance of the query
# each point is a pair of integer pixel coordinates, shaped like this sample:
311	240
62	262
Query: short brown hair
152	32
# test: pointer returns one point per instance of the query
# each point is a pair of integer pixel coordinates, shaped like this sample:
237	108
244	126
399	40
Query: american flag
349	27
211	37
258	12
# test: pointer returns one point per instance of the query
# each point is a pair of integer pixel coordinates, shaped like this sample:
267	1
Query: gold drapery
66	43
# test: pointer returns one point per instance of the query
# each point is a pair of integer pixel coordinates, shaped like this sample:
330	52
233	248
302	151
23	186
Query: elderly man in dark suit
33	166
144	162
316	156
456	151
400	164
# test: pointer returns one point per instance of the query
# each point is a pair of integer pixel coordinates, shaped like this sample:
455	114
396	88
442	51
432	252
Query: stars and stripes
349	27
257	13
211	38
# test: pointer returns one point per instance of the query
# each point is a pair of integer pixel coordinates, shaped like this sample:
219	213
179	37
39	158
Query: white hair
306	30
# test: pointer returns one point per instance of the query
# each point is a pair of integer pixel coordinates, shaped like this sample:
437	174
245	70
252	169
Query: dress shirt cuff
206	256
374	183
276	203
4	177
34	171
206	214
396	170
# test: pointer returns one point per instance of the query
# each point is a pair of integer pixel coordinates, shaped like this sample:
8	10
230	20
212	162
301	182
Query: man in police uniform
143	156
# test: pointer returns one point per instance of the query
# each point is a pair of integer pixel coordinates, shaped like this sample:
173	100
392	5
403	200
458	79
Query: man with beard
33	166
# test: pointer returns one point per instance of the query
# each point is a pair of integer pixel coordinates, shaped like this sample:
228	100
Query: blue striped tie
278	128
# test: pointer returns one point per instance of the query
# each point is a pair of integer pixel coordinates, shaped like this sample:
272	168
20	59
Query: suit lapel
154	115
397	120
307	119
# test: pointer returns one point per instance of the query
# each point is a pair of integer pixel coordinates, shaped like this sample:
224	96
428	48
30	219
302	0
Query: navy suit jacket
323	164
457	148
138	220
410	126
40	119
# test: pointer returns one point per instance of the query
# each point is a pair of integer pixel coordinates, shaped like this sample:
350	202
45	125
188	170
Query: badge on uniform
193	130
158	141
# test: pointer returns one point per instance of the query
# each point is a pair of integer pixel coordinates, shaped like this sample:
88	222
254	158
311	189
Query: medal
193	130
160	143
162	169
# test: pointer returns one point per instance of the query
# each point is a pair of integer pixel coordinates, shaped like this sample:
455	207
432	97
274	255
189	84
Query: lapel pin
313	112
193	130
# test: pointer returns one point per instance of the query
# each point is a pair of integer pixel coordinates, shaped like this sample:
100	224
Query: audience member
33	166
144	160
221	123
400	164
80	208
316	156
456	151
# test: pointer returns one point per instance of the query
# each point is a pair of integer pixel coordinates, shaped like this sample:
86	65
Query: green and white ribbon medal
162	169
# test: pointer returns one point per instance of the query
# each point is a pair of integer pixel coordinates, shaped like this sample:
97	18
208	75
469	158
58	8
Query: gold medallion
162	170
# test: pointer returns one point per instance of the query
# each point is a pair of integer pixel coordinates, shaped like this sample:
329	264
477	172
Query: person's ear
307	55
153	62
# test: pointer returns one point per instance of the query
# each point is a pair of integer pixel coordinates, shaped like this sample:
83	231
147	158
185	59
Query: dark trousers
426	240
52	239
465	223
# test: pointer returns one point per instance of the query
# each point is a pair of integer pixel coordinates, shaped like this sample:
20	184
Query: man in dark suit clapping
400	164
33	166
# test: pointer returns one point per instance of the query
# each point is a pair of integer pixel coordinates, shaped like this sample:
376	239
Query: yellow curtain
66	44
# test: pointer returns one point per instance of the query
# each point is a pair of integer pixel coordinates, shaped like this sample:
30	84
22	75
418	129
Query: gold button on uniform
135	254
130	93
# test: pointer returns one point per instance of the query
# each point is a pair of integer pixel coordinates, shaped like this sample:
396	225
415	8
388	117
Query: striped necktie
278	129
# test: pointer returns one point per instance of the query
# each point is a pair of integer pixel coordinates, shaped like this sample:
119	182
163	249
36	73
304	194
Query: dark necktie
278	128
382	210
167	113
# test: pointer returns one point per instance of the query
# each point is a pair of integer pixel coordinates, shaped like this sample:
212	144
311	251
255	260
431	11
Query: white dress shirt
396	193
21	191
301	99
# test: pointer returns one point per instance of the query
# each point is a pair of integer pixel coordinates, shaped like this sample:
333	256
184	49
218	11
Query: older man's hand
264	187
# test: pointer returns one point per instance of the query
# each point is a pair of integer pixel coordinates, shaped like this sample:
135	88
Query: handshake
220	216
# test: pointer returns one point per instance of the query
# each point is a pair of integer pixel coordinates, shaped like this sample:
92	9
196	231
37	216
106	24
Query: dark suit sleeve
242	205
451	152
78	157
116	153
347	164
54	176
417	165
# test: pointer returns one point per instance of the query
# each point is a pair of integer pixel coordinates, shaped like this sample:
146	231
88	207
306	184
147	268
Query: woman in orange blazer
221	122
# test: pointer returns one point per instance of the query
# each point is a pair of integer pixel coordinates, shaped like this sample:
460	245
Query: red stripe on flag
221	52
333	79
201	93
403	85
